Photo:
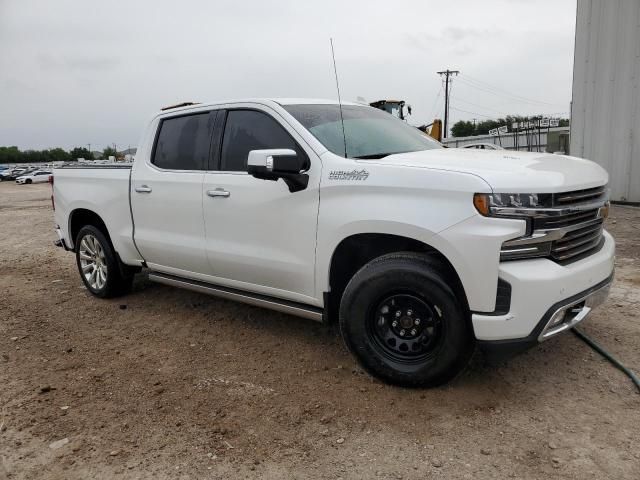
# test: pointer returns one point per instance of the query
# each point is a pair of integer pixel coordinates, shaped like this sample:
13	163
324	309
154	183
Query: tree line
467	128
15	155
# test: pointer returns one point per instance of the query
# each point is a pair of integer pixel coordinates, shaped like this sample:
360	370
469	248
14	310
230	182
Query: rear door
260	236
166	195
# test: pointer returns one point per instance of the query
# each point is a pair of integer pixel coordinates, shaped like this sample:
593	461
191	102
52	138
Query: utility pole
447	73
89	145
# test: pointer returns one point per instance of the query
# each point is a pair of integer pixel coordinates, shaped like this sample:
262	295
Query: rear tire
404	323
100	268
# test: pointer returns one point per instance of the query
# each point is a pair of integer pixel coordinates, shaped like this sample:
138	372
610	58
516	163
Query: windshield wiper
372	156
380	155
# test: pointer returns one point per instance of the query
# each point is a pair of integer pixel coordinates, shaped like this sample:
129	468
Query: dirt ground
165	383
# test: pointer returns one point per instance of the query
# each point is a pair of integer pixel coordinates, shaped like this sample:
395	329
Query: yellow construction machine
400	109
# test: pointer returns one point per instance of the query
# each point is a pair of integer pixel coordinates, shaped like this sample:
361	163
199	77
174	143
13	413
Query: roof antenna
335	70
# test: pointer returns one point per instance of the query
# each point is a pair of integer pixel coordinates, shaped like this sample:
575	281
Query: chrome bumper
569	315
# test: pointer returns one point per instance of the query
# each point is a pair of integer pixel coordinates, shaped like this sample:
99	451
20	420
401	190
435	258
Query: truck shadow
322	345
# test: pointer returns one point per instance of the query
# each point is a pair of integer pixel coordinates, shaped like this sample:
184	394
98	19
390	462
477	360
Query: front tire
403	322
99	266
28	181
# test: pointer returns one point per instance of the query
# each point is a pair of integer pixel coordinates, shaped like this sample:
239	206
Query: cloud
110	65
74	63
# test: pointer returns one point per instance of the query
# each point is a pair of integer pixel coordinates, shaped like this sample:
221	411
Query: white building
605	116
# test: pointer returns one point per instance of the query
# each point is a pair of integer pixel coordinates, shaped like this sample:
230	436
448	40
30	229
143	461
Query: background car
38	176
12	173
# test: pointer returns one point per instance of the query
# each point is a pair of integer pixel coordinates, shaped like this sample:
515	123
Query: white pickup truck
349	215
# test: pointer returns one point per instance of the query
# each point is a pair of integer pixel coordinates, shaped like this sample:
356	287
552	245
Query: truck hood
507	171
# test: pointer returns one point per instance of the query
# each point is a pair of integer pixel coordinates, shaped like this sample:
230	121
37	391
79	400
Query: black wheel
28	181
404	323
99	266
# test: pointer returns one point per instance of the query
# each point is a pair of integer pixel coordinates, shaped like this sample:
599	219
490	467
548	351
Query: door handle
143	189
219	192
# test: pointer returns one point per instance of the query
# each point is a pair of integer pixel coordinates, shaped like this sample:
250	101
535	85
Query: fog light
557	318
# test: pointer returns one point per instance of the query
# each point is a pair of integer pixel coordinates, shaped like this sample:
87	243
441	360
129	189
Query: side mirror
272	164
277	160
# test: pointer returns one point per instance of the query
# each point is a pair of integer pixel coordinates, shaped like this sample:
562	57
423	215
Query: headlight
510	204
521	206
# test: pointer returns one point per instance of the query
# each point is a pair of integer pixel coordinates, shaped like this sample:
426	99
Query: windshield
369	132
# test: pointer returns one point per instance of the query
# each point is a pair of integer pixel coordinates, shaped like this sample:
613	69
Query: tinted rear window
183	142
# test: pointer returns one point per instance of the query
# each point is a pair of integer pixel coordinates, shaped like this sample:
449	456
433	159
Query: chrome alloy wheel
93	262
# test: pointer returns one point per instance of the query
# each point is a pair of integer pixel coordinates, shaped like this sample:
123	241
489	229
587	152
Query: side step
255	299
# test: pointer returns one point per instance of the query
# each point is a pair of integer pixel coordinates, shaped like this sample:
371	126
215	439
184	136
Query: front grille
562	221
568	228
584	235
578	242
567	199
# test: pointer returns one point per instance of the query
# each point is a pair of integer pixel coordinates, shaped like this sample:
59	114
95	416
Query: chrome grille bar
576	242
562	199
578	251
566	220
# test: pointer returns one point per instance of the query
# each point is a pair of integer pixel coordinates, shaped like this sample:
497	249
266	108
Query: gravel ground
167	383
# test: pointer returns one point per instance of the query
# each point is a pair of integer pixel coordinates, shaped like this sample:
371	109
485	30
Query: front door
260	236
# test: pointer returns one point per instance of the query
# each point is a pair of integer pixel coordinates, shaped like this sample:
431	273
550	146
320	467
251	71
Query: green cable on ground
634	378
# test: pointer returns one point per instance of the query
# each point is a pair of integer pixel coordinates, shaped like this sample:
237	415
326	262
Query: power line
469	84
433	107
506	95
481	82
500	92
458	99
472	113
502	95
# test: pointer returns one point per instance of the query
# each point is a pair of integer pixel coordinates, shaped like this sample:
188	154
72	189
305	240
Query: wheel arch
80	217
355	250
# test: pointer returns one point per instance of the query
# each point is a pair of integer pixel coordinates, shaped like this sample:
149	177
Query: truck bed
103	189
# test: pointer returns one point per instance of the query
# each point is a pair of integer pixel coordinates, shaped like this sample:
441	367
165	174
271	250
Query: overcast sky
74	72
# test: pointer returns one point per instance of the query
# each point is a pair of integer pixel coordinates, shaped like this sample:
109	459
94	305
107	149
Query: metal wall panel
605	116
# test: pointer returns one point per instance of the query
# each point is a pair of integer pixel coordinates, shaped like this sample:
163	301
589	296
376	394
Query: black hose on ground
634	378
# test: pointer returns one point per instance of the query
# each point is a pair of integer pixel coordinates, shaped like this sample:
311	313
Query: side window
247	130
183	142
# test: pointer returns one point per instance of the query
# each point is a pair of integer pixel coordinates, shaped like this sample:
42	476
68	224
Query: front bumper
560	317
546	298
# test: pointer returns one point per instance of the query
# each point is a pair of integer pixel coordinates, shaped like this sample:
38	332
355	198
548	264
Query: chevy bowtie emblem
348	175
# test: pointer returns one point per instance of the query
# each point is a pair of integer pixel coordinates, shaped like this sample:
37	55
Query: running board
255	299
